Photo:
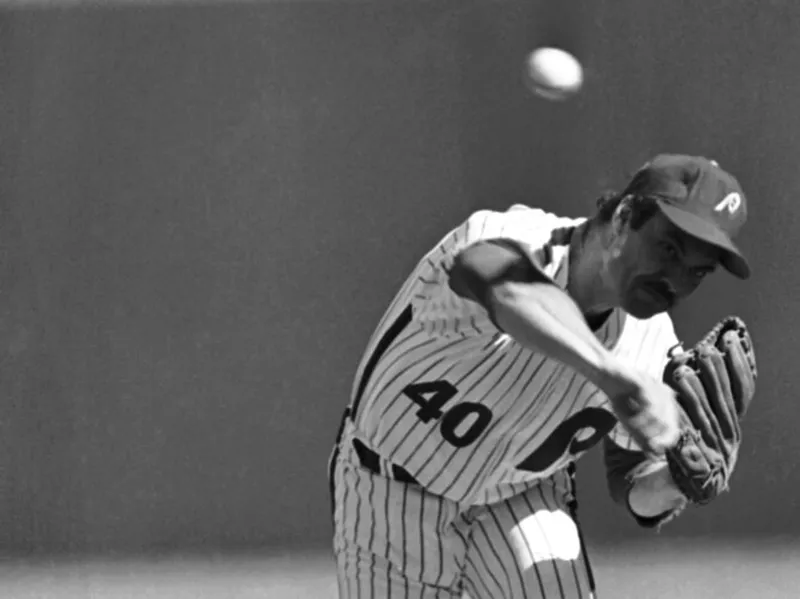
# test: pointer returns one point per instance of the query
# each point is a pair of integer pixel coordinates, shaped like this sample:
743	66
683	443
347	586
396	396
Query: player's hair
642	208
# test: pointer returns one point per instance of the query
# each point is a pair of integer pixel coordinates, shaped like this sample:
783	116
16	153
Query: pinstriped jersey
472	414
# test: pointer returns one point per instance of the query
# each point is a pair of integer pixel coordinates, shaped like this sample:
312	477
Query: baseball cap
700	198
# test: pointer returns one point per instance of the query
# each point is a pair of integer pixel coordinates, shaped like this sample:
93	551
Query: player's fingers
636	423
642	440
667	438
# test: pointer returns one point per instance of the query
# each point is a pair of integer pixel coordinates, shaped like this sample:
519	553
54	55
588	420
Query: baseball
553	73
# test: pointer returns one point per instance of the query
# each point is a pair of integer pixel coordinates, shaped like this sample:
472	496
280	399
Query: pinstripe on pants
397	540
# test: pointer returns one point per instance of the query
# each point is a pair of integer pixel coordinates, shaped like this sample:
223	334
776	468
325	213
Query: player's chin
644	308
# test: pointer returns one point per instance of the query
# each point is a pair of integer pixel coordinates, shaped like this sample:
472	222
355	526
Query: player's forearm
543	317
538	314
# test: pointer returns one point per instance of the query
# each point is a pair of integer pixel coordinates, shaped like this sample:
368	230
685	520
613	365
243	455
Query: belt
372	462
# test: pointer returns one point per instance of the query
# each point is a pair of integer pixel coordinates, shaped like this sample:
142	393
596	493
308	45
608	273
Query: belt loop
386	468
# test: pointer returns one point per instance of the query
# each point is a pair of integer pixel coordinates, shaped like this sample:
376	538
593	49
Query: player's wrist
616	380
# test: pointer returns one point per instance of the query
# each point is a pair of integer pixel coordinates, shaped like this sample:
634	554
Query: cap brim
732	258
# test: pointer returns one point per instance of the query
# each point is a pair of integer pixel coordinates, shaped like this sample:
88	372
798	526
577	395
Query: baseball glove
715	383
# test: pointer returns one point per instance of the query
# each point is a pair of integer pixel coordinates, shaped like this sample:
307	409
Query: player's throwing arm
526	304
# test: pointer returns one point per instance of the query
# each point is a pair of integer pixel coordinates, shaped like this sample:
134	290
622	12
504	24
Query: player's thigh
363	575
393	539
529	547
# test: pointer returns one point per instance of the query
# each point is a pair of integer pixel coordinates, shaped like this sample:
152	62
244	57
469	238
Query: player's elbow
486	268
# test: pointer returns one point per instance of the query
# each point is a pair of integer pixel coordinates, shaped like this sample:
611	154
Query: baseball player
519	342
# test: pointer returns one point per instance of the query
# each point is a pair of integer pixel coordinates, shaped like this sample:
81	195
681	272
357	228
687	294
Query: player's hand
647	408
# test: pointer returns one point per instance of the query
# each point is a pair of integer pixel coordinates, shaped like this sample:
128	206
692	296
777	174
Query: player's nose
665	287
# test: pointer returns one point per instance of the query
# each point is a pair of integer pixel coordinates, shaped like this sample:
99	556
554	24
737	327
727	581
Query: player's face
659	265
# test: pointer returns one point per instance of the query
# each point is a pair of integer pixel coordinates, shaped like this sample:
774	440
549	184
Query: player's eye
701	272
668	250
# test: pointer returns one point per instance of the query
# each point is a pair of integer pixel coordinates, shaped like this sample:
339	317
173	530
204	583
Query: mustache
663	288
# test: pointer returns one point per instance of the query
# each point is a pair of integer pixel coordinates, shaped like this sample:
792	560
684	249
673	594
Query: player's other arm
642	484
527	305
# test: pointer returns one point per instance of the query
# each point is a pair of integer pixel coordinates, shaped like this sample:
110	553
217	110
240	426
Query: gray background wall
206	207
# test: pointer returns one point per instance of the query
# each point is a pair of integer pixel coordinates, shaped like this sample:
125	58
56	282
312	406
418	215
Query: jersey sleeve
438	308
649	352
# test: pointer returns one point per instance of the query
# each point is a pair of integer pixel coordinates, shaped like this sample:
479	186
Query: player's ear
621	219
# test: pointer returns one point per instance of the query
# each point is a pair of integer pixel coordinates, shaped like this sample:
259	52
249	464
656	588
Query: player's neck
587	282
